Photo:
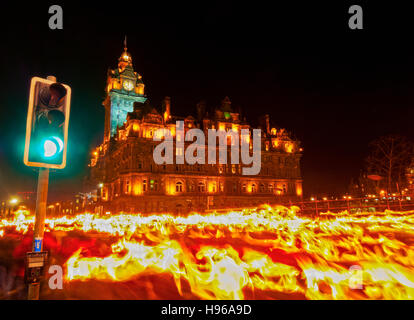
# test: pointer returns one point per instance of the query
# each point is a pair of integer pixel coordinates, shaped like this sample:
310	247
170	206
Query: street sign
47	124
35	265
37	244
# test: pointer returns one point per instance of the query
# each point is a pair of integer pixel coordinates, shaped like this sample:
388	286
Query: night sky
334	88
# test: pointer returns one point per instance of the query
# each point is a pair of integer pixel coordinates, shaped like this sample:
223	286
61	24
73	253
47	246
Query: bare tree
389	157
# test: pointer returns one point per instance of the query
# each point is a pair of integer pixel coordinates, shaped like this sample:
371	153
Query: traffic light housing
47	124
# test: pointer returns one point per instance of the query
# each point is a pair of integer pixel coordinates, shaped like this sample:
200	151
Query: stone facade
128	180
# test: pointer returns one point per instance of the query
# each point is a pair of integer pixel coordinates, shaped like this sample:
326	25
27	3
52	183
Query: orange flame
229	256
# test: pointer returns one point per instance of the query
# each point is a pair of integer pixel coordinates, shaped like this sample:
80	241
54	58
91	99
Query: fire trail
262	253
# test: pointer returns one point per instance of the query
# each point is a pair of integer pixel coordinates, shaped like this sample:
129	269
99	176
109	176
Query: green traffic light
52	146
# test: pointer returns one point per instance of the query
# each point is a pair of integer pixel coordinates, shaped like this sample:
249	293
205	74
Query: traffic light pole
39	227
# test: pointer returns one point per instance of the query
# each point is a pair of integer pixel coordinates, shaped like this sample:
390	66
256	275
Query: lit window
244	187
201	187
127	187
144	185
253	187
213	187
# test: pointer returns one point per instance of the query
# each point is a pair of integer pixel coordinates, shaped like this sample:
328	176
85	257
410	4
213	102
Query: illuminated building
410	178
126	178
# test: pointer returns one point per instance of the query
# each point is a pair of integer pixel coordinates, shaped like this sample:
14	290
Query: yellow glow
160	133
289	147
137	188
140	89
135	127
299	190
212	187
104	194
170	188
172	129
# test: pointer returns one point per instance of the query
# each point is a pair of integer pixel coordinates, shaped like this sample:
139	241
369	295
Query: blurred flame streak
273	249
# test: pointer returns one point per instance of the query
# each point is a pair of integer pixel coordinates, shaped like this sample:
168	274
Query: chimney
201	110
267	124
167	105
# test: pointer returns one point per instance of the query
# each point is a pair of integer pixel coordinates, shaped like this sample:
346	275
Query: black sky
335	89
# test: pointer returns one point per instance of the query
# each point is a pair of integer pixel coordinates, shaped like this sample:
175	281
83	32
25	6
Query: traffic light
47	124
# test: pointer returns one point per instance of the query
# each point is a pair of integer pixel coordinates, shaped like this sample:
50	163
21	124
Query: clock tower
124	87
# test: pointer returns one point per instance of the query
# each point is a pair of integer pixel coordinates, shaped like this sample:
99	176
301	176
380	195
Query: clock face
128	85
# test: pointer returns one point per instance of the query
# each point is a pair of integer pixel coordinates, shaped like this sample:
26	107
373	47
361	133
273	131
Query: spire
125	57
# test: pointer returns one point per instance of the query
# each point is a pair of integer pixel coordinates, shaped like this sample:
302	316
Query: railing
315	207
353	205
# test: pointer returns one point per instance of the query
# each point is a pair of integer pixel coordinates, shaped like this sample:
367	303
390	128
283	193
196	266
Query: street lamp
14	201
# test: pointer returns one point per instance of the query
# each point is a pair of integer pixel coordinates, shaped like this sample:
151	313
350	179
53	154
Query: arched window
179	186
213	186
221	169
244	187
262	187
254	188
221	186
270	188
201	187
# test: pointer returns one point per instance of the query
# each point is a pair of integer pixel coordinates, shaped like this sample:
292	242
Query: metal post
39	227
